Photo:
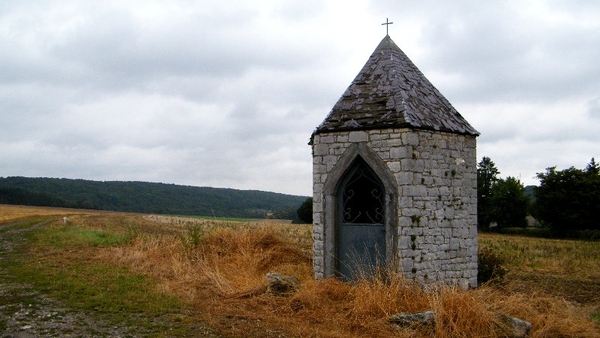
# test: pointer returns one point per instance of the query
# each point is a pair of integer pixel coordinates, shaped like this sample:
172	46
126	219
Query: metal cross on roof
387	25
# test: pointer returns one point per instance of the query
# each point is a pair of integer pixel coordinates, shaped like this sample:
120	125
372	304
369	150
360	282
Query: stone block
410	139
317	187
330	160
405	202
323	178
318	245
317	230
404	222
400	152
327	139
342	138
404	177
394	166
320	149
379	137
518	327
358	136
419	166
407	264
404	242
395	141
454	244
319	168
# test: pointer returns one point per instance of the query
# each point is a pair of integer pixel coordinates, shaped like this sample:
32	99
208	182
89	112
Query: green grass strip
111	292
72	236
97	287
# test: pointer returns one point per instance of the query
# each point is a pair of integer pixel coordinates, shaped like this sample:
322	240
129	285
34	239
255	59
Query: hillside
147	197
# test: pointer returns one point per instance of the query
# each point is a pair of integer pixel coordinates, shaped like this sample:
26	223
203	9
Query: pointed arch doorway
360	226
343	245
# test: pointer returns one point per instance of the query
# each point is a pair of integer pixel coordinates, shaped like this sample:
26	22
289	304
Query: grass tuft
596	317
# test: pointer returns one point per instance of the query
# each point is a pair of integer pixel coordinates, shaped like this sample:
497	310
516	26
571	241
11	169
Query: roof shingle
391	92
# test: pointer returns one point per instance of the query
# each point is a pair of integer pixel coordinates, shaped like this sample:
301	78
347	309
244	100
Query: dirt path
25	312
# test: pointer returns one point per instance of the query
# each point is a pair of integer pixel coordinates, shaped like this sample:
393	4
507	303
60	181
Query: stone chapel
395	179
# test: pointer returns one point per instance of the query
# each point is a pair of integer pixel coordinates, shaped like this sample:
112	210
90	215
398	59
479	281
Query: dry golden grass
10	213
223	275
563	268
549	255
219	269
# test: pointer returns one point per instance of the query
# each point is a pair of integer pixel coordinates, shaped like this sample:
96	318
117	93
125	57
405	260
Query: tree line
145	197
566	203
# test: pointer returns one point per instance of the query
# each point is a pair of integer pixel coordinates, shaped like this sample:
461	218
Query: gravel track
25	312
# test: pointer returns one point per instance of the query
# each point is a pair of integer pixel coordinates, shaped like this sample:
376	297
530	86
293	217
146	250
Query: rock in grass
281	285
404	319
518	327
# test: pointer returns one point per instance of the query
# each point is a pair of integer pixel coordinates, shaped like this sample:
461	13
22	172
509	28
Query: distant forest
144	197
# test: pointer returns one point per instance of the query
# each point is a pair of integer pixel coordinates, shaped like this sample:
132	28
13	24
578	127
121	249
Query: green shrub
305	211
192	238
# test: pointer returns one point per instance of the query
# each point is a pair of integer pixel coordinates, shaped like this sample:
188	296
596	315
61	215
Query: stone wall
434	234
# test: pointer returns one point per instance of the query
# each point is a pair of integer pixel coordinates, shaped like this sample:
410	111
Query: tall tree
487	175
508	203
305	212
592	184
592	168
569	199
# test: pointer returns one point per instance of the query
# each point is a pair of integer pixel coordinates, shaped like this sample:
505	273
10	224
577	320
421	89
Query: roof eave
473	133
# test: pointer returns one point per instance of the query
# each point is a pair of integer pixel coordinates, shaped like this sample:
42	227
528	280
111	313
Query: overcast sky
227	93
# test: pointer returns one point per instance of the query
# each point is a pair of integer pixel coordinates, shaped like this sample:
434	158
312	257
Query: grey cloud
499	53
112	48
593	108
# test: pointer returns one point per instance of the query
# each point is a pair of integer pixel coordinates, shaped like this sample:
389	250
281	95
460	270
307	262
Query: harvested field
209	276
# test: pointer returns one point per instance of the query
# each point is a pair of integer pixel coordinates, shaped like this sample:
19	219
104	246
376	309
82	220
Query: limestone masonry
435	239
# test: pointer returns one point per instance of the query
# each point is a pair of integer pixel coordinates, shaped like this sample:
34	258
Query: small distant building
395	179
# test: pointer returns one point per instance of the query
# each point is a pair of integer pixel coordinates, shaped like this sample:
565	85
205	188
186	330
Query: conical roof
391	92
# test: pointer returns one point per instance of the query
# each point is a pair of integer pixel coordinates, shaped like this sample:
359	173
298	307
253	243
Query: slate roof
391	92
